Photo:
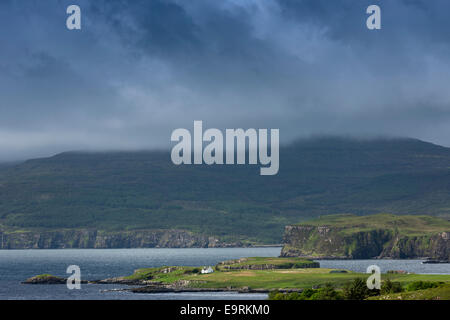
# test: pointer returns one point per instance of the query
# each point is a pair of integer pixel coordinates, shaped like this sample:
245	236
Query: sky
137	70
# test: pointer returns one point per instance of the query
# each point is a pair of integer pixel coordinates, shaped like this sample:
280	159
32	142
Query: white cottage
207	270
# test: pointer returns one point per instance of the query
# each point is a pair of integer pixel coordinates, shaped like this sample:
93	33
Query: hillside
375	236
117	191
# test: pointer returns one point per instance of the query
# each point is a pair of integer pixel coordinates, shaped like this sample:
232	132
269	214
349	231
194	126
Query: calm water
18	265
413	266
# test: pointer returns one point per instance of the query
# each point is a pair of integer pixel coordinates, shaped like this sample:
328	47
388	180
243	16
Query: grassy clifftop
376	236
400	224
263	263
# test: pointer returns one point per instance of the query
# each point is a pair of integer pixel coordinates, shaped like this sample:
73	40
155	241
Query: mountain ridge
115	191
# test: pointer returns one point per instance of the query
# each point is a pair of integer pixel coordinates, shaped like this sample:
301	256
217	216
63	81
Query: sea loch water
18	265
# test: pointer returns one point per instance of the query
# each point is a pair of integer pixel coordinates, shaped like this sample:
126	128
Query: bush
421	285
276	295
286	265
326	293
356	290
308	293
388	287
294	296
195	270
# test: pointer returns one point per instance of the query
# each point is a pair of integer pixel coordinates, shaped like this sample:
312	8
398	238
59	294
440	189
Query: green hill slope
144	190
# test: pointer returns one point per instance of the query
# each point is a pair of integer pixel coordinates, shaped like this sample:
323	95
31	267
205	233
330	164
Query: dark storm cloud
139	69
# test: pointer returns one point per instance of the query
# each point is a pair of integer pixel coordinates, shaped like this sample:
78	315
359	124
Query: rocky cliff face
335	243
101	239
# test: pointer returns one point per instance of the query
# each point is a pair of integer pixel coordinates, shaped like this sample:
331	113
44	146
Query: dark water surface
95	264
18	265
413	266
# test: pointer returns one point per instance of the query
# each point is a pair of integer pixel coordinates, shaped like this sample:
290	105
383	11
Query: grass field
267	263
296	278
407	225
285	283
293	279
441	293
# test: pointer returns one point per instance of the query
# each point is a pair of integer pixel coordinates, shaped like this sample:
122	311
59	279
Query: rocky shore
145	286
191	279
48	279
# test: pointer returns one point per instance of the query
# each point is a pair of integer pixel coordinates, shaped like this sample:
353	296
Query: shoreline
268	276
135	248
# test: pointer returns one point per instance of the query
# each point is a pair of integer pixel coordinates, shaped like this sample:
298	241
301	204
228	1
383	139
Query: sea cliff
82	238
378	236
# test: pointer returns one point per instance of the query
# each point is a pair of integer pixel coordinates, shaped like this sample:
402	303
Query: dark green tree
356	290
327	292
389	286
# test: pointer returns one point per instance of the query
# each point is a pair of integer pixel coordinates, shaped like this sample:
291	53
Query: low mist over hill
144	190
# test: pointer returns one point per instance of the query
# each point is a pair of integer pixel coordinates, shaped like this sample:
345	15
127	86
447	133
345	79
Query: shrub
338	271
276	295
307	293
389	286
195	270
421	285
356	290
326	293
286	265
294	296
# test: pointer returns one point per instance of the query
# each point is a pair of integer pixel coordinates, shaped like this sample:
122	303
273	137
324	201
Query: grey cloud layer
139	69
